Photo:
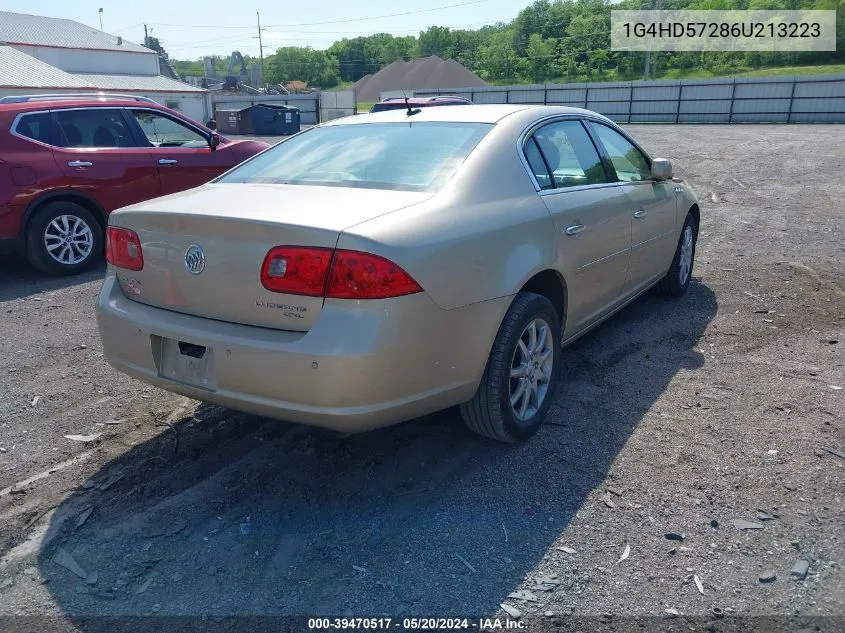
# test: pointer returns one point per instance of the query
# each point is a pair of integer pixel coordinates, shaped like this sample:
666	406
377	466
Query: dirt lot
674	416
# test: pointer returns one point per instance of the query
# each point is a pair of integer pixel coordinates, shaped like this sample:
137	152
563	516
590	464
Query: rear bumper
362	365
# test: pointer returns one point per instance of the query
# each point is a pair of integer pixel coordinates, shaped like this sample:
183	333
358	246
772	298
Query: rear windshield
401	156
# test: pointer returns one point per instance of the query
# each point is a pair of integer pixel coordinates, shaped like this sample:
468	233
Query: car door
590	214
653	208
98	154
182	152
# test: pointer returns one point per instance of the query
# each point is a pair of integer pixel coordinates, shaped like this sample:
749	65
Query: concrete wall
86	61
799	99
192	105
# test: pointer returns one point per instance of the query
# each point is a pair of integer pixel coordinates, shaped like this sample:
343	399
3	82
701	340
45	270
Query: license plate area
184	362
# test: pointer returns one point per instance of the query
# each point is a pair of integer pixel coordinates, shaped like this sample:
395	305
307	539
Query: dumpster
273	119
263	119
233	121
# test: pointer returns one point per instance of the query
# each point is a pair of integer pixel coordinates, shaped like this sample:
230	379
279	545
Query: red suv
67	161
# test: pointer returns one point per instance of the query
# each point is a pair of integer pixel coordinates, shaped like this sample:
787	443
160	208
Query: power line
372	17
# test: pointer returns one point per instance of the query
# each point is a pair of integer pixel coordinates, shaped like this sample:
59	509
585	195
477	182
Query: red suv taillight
337	274
123	248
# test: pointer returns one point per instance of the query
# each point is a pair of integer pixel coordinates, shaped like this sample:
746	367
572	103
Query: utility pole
101	18
655	5
146	37
261	52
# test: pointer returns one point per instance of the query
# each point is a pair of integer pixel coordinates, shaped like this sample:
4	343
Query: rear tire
63	238
677	280
497	410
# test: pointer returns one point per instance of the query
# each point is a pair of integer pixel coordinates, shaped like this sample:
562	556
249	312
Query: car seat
103	137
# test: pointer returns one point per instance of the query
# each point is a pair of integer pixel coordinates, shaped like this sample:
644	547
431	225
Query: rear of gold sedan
237	293
363	364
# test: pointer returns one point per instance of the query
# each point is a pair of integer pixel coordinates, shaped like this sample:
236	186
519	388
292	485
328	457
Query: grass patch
777	71
364	107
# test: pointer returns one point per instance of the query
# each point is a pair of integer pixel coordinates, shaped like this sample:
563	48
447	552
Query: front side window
628	161
162	131
401	156
570	154
36	126
94	127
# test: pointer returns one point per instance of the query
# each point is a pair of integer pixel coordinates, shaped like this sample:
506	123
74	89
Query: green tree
295	63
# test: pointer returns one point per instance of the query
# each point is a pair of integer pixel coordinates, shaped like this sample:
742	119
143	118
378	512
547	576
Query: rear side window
538	165
570	154
401	156
36	126
96	127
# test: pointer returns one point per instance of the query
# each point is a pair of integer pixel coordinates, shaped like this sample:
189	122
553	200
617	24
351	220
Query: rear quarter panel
28	170
482	237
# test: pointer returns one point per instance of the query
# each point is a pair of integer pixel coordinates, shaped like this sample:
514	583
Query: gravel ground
676	416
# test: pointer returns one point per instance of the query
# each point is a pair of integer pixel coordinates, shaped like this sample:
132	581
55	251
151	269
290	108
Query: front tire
677	280
63	238
520	379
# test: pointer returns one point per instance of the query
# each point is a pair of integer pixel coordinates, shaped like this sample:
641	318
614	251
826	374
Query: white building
53	55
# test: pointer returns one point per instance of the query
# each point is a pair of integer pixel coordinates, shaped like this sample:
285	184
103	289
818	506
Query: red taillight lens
123	248
339	274
295	270
355	275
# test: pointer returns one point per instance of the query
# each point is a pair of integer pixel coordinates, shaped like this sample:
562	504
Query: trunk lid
235	225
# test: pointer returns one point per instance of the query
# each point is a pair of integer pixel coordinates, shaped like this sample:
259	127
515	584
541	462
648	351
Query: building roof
427	72
137	83
37	30
21	71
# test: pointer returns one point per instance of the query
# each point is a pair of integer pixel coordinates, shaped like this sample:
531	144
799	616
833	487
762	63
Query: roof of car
492	113
425	100
47	104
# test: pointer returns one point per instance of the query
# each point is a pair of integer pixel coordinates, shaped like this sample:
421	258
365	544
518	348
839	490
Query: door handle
79	163
575	229
167	161
640	213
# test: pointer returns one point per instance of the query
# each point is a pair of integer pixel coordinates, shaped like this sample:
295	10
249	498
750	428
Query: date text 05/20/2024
416	624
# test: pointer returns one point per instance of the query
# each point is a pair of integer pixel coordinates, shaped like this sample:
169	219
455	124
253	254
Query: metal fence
799	99
337	104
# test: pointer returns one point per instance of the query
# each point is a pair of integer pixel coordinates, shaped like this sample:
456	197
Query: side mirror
661	169
214	141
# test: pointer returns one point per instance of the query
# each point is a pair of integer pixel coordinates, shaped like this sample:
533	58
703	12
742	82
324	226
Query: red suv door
99	155
181	151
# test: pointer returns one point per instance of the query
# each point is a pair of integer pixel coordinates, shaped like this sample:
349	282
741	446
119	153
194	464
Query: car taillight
338	274
296	270
355	275
123	248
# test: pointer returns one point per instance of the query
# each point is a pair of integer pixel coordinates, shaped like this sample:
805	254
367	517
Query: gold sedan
380	267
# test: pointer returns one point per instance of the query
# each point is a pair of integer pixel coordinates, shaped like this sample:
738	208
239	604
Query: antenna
411	111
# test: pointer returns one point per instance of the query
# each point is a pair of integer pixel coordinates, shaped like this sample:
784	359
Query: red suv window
94	127
36	126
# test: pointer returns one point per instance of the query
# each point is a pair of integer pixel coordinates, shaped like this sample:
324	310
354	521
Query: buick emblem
194	259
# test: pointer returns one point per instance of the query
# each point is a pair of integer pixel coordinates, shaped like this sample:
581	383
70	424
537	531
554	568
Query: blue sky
181	25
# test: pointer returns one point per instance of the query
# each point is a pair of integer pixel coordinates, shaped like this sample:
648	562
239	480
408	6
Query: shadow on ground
228	515
19	280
